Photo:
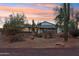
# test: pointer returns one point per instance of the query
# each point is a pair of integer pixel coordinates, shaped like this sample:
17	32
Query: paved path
40	52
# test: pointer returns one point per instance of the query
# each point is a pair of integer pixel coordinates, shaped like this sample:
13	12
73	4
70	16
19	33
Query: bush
74	33
17	37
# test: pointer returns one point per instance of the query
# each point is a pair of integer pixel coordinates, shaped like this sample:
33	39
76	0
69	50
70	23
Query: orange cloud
25	10
41	18
32	13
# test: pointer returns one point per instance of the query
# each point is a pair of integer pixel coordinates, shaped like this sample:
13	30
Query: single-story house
40	27
46	26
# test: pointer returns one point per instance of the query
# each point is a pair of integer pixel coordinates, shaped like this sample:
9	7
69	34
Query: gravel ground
28	42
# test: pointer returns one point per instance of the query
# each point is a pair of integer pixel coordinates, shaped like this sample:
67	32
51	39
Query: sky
33	11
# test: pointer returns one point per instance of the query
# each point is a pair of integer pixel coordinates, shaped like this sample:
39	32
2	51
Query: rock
60	45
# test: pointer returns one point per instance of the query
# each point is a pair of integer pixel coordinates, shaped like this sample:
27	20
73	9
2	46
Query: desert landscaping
36	42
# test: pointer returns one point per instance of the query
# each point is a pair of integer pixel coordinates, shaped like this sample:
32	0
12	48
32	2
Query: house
41	27
45	27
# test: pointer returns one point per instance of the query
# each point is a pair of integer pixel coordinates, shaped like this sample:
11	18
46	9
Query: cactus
66	7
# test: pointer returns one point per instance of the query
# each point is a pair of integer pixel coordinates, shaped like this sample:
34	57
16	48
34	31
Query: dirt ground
28	42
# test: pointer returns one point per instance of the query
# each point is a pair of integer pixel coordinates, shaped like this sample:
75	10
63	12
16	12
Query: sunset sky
38	12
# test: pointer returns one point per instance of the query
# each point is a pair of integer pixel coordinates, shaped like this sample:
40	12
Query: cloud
30	12
25	10
49	5
41	18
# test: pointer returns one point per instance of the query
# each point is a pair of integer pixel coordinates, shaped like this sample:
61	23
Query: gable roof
46	24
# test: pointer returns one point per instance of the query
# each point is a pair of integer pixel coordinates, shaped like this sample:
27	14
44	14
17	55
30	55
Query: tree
63	18
60	18
71	25
13	25
77	20
33	26
16	22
